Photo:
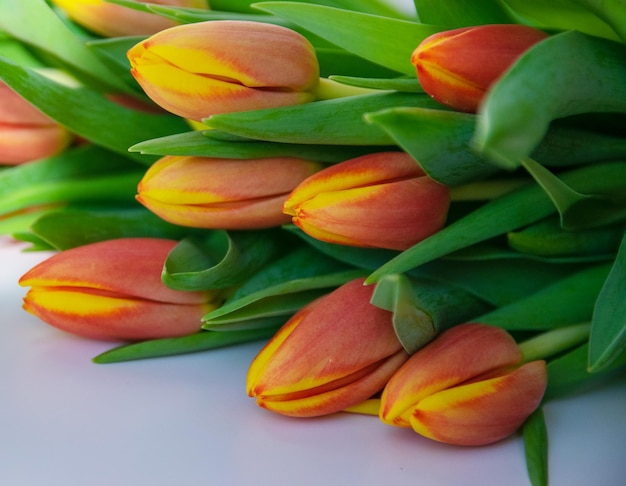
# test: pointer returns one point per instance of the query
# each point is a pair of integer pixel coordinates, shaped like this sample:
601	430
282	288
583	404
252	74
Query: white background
186	420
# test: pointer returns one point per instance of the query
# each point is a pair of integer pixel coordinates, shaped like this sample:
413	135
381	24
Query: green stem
555	341
484	190
328	89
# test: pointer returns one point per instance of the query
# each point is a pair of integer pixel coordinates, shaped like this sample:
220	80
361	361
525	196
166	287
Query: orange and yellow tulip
381	200
466	387
334	353
110	20
112	290
457	67
26	134
201	69
203	192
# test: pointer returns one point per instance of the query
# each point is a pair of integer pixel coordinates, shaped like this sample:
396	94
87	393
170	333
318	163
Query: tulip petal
335	396
456	356
482	412
128	267
21	143
457	67
363	171
99	315
395	215
241	215
204	68
317	364
218	193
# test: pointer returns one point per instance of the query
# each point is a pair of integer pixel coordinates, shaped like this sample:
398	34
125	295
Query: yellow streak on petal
78	303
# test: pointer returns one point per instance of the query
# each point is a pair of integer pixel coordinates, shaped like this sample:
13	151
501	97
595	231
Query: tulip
467	387
26	134
382	200
457	67
109	20
204	192
334	353
201	69
112	290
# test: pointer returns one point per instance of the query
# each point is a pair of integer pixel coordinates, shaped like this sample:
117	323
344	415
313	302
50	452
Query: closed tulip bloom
112	290
203	192
334	353
457	67
467	387
26	134
382	200
201	69
109	20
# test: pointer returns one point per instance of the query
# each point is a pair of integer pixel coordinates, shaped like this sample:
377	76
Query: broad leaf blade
382	40
608	327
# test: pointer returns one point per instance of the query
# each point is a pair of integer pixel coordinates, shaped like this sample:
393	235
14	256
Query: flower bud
334	353
457	67
201	69
26	134
382	200
203	192
467	387
110	20
113	290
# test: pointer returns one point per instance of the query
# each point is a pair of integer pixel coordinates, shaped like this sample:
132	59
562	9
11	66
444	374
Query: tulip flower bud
457	67
110	20
467	387
26	134
382	200
201	69
334	353
113	290
203	192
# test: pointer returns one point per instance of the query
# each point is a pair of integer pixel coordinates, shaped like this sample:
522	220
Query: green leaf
610	11
548	238
366	258
78	226
568	374
112	52
405	85
193	343
499	216
281	288
382	40
569	300
461	13
440	141
337	121
578	211
21	221
561	15
500	281
220	259
198	144
413	327
422	308
536	448
88	113
608	326
60	178
35	24
546	83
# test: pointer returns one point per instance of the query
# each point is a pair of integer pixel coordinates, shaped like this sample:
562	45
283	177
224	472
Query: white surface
186	420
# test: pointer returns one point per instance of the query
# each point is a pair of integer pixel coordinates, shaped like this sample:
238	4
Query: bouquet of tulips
422	212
